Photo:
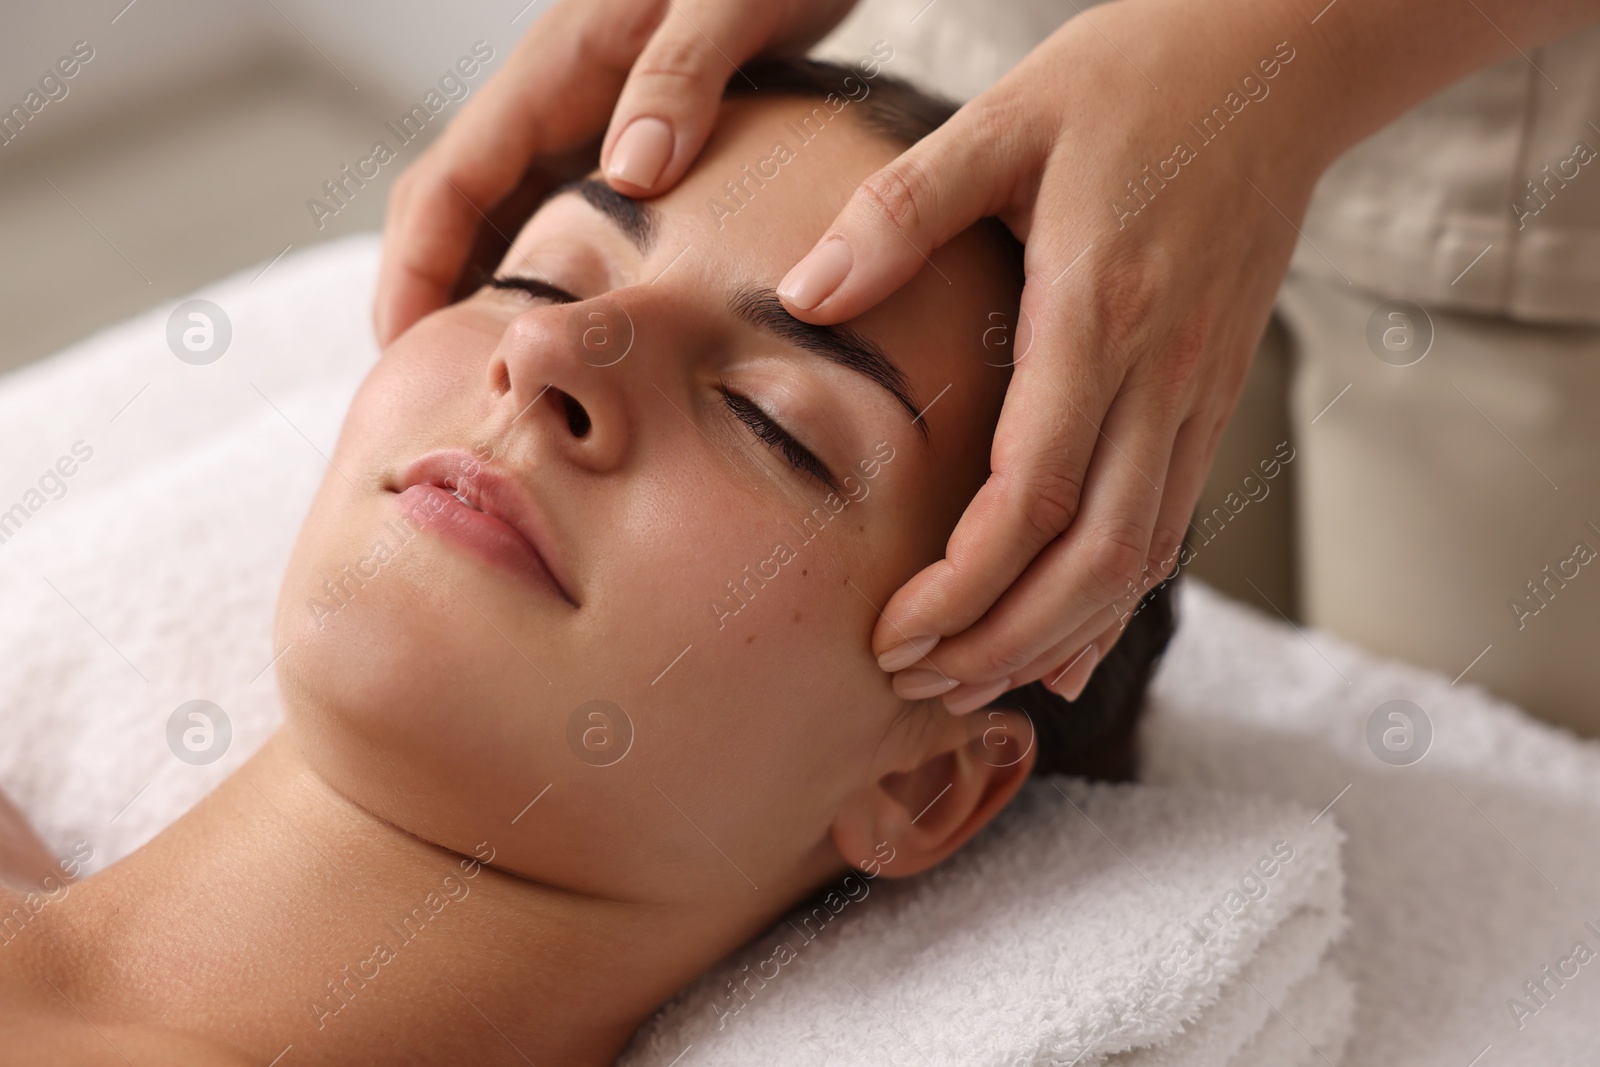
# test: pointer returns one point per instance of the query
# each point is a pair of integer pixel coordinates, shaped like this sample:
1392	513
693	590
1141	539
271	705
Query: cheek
698	558
349	533
375	644
755	604
402	402
758	683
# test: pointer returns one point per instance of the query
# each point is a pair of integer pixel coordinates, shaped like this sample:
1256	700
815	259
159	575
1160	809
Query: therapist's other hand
1150	274
662	66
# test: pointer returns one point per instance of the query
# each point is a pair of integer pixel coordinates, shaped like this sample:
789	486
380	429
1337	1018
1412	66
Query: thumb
898	215
669	103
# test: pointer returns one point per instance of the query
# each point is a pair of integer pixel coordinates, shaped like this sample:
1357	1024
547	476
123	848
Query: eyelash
533	287
775	436
743	408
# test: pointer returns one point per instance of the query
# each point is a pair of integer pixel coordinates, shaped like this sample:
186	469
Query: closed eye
533	287
775	436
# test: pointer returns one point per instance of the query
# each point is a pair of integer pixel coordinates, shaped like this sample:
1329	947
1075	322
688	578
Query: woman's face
717	496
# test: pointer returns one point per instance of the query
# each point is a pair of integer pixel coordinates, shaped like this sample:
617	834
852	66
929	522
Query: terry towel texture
1470	873
1089	920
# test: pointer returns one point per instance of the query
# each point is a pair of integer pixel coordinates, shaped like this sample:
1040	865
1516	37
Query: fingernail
810	281
967	698
1070	682
904	655
919	685
641	153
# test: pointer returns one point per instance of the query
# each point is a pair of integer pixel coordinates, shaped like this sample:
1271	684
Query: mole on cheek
750	639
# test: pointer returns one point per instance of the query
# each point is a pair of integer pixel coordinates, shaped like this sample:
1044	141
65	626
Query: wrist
1296	86
1240	79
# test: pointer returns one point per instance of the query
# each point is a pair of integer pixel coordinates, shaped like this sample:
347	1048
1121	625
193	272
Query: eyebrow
759	307
762	309
638	221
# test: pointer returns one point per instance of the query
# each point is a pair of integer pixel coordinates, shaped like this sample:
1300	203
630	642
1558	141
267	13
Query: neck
277	914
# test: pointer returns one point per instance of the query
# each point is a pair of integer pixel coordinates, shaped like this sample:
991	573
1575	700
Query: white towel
1069	931
1468	872
1321	1007
151	583
1272	988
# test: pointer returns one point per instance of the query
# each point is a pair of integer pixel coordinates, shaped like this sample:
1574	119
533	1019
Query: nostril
500	378
577	418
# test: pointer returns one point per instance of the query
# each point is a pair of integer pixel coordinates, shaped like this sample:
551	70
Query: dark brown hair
1092	736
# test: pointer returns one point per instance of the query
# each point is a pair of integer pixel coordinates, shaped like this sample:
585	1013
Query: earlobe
958	782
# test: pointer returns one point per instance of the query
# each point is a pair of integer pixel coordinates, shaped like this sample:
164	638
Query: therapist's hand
661	66
1142	307
1156	156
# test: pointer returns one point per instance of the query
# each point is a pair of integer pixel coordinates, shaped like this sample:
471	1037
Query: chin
413	718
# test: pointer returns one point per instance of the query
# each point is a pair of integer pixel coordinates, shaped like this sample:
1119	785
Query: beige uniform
1443	502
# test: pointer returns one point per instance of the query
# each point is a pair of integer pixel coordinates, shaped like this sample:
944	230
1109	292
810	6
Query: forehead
772	178
773	175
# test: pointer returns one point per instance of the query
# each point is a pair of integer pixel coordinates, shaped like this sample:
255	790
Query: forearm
1358	64
1378	59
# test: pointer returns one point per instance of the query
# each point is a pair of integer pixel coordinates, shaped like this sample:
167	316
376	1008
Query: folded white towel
1321	1006
1271	989
1080	925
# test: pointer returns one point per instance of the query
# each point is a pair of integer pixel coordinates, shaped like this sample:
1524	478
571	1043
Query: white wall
395	50
188	146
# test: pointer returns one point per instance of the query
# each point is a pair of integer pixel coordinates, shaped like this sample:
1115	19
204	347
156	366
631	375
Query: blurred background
187	147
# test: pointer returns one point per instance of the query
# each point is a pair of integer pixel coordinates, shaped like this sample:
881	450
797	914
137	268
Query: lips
483	510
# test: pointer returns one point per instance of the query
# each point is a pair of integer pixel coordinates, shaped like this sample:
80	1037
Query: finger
1070	655
554	94
1099	560
426	240
1101	629
670	100
1043	444
1068	679
967	169
1192	452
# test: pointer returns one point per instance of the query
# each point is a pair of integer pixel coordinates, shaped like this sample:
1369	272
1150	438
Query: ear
954	777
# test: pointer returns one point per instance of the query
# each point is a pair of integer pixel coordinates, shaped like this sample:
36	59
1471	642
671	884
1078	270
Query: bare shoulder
39	1024
34	1032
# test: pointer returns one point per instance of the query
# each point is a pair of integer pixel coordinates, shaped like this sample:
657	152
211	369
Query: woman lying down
610	709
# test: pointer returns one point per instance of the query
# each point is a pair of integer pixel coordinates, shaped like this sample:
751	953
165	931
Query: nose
561	368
